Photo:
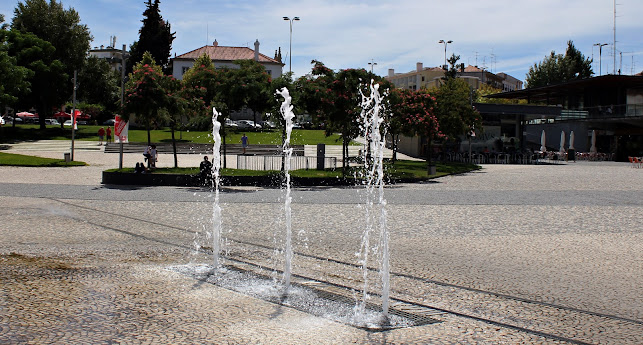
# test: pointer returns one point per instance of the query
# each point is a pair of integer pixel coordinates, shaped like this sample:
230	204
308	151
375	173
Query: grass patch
403	169
12	159
89	133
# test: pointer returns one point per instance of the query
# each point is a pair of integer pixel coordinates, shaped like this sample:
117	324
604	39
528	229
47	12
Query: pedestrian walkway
56	146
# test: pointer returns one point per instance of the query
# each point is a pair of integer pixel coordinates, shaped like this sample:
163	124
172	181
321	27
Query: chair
638	162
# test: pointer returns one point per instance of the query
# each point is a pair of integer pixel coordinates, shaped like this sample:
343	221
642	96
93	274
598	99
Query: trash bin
571	155
67	157
321	156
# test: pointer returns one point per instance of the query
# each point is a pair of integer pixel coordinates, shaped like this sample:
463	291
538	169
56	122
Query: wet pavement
511	254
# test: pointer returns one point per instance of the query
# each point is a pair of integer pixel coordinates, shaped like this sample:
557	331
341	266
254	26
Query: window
184	69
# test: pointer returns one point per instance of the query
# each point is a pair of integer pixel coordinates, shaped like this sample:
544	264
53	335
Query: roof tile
221	53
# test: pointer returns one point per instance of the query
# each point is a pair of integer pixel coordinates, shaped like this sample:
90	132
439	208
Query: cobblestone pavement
511	254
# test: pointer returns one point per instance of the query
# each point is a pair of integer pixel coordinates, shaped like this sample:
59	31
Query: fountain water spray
216	209
286	112
373	156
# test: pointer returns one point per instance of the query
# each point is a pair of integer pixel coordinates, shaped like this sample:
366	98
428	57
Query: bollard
67	156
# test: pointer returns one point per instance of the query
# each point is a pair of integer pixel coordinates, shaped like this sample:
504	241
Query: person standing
109	135
101	134
244	142
153	156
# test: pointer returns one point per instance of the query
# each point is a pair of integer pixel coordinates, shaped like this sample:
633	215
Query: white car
248	124
52	122
230	123
244	124
67	123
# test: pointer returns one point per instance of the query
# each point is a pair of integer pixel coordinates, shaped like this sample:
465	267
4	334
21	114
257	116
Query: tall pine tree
558	68
155	36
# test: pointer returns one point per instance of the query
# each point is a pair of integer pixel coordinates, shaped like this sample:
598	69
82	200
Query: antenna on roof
207	33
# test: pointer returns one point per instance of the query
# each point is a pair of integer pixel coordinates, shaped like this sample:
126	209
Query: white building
110	53
224	57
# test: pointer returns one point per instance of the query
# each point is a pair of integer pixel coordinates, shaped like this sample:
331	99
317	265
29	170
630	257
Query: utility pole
73	116
445	51
600	57
372	64
290	57
120	141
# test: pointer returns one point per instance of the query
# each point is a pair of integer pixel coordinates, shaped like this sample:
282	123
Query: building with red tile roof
426	77
223	56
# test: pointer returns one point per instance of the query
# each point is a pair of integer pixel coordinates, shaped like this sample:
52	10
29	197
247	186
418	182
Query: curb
182	180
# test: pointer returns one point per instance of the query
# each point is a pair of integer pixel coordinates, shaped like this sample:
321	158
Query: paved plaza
510	254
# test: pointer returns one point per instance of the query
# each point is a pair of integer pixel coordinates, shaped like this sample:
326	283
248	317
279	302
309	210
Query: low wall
119	178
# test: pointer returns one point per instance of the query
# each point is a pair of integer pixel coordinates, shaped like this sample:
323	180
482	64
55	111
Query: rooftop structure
223	56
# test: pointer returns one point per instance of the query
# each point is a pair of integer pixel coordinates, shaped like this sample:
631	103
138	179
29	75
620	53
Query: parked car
9	120
269	124
67	123
230	123
109	122
52	122
247	124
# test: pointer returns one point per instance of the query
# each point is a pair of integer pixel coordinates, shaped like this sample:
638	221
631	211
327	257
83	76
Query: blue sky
503	35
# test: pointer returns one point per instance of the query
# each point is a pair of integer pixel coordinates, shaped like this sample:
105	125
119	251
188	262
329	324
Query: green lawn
12	159
89	133
402	169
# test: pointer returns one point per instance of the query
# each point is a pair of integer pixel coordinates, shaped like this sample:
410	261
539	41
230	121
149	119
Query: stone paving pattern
524	254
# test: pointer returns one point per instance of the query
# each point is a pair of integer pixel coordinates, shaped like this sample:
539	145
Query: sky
501	35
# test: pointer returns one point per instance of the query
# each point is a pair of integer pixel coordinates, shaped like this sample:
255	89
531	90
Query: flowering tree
334	100
415	111
145	93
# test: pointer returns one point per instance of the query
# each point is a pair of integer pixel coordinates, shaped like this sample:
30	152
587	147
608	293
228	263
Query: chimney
418	66
257	50
215	43
391	72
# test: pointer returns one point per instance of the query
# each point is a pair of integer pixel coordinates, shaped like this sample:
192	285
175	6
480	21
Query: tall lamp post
372	64
600	53
445	49
290	53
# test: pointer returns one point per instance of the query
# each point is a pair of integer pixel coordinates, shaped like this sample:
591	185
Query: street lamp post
600	60
290	53
445	49
372	64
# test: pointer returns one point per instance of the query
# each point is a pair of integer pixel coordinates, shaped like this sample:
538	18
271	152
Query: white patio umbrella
571	141
542	142
562	142
592	149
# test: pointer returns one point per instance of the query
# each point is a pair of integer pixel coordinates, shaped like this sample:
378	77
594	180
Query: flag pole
73	117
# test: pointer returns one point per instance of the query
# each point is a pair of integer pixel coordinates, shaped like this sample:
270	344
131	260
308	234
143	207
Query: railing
605	112
265	162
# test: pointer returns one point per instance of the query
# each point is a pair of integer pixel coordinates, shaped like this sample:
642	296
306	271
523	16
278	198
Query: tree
145	93
155	37
334	99
177	104
47	75
454	109
50	22
14	81
252	86
558	68
99	84
417	110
